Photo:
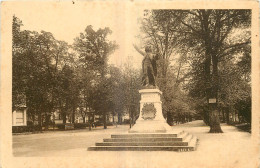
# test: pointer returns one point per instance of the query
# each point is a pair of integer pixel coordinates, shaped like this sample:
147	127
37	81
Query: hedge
29	128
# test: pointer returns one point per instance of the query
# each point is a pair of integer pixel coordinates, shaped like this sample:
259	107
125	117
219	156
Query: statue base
151	119
151	132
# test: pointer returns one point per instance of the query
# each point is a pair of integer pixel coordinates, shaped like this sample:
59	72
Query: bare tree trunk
169	118
211	79
73	114
223	114
105	120
46	121
33	119
119	118
89	123
234	116
214	121
40	121
130	119
53	126
206	116
227	114
113	117
64	119
214	115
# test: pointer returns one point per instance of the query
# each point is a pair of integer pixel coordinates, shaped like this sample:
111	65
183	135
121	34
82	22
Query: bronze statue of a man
148	66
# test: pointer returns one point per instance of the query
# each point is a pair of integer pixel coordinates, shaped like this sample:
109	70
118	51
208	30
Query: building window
19	118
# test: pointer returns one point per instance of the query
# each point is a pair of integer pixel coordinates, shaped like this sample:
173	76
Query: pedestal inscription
148	111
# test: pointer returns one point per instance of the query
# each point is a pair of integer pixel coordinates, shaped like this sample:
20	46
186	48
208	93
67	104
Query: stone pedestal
151	132
179	141
151	119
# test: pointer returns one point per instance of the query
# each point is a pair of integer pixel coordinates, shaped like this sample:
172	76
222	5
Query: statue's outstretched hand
138	50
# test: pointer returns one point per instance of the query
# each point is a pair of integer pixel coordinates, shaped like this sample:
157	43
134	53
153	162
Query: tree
211	29
118	92
18	85
161	30
94	47
205	36
132	83
37	61
30	71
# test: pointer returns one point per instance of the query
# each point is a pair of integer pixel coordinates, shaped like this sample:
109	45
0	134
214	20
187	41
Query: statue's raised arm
148	66
138	50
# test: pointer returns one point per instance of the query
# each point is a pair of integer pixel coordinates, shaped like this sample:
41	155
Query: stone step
143	135
183	135
194	142
188	138
148	139
141	148
178	141
142	143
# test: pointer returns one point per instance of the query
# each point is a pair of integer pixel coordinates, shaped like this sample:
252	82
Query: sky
66	20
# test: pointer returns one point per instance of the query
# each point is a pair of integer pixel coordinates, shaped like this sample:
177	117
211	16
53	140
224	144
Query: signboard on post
212	100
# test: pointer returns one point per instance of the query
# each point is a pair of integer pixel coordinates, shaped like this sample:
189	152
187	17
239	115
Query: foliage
203	54
215	44
94	48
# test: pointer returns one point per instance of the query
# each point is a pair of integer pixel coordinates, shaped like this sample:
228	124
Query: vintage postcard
130	84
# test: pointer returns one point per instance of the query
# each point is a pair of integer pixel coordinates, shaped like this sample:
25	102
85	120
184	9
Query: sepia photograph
130	84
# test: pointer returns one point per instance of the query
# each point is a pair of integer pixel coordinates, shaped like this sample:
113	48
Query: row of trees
205	56
50	75
212	56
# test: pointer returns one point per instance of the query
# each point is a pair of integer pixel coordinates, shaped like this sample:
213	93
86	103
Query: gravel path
231	149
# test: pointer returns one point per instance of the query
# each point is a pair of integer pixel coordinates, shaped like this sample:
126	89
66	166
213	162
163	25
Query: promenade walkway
231	149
